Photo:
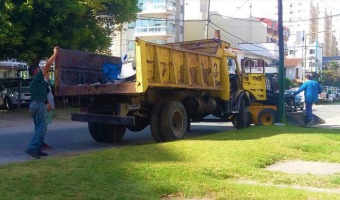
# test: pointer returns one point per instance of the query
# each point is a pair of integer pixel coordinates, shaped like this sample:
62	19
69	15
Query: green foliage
32	28
288	83
331	74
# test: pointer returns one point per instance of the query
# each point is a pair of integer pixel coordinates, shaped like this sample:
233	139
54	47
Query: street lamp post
305	59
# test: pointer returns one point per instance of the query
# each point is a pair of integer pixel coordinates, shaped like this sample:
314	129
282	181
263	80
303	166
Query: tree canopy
331	74
30	29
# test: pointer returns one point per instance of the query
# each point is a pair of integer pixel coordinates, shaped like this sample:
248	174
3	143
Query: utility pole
207	24
281	106
251	19
316	56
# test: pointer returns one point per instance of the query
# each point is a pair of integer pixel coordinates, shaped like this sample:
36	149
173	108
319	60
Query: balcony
157	10
156	32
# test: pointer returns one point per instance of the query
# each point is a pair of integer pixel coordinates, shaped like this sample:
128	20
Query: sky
263	8
259	7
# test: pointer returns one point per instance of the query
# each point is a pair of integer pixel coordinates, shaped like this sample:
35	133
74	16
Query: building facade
311	31
160	21
293	68
13	69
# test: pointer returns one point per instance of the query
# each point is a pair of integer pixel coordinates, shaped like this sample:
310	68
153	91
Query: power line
220	28
242	19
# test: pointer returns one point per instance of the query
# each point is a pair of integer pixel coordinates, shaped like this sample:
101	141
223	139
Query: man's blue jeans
38	113
309	111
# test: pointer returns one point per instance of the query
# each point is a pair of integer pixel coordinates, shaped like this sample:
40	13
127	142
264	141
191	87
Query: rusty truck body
175	84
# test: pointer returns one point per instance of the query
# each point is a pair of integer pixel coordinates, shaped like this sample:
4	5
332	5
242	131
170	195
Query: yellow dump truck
174	85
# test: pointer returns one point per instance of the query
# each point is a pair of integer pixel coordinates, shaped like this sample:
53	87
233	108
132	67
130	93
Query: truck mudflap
103	119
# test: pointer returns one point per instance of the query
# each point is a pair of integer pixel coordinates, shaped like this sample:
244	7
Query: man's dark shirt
39	88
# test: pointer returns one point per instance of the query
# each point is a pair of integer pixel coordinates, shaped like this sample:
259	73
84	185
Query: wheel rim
266	119
177	122
173	121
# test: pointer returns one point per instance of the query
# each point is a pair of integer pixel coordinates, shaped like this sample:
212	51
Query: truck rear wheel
174	121
242	119
155	122
109	133
266	117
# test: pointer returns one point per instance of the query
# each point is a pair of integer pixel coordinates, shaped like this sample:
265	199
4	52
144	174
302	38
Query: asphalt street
69	138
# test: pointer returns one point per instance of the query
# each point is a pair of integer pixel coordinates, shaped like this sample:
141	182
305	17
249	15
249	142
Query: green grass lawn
218	166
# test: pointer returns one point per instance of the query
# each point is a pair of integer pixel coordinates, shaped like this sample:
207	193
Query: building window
132	25
297	73
182	30
291	52
131	45
182	9
4	74
311	51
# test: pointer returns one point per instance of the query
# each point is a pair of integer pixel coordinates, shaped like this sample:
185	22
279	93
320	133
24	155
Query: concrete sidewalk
329	113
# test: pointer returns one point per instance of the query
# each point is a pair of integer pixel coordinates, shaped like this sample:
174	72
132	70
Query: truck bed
80	73
194	65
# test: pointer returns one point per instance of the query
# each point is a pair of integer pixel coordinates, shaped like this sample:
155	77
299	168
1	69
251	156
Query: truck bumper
103	119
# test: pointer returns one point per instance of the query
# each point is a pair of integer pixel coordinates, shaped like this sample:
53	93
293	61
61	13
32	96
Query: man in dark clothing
312	90
39	90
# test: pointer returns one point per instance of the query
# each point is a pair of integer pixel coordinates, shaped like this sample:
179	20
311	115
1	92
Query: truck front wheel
95	133
110	133
174	121
243	118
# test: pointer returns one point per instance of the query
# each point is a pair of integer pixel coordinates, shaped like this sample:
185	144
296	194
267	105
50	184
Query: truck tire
140	123
248	123
95	132
113	133
242	119
266	117
174	121
109	133
188	124
155	122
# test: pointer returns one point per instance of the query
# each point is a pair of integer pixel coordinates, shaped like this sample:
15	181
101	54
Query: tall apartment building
311	31
160	21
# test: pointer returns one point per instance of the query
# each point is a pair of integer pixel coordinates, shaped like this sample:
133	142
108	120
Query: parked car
291	105
323	96
9	92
